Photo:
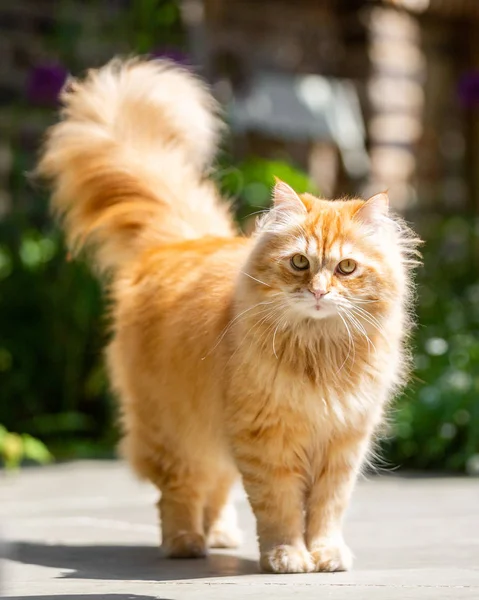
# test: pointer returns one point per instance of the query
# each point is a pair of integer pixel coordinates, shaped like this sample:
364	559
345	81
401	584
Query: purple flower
173	54
45	83
468	89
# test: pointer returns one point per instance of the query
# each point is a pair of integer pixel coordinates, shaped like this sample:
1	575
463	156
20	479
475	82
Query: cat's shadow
136	563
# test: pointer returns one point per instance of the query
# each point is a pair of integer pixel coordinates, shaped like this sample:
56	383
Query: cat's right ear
286	200
375	208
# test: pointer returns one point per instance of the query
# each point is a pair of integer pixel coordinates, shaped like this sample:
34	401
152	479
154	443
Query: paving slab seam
296	584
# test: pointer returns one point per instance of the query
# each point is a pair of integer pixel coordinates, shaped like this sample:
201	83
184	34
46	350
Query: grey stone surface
87	530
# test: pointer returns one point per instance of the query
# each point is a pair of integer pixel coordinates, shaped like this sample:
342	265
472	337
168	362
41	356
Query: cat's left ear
286	200
374	209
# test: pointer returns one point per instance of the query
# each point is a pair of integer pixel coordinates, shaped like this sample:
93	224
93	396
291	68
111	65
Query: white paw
224	538
287	559
333	556
225	533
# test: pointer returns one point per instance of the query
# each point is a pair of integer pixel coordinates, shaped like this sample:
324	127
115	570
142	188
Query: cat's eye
347	266
299	262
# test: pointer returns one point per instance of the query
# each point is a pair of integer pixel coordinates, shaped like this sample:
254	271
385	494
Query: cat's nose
318	294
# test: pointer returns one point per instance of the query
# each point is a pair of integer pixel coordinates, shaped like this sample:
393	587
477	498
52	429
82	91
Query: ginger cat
272	356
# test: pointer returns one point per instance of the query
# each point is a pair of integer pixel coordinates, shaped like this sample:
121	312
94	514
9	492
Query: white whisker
274	337
350	343
368	317
360	328
269	314
254	278
230	324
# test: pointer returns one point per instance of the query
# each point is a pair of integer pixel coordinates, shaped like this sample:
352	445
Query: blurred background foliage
17	449
53	385
435	423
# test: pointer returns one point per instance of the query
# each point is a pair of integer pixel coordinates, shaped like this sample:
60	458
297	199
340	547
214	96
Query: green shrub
52	382
436	421
249	184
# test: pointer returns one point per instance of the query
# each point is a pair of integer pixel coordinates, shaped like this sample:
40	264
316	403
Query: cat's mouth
305	306
320	309
323	309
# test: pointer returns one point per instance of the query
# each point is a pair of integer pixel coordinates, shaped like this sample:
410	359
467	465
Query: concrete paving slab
87	530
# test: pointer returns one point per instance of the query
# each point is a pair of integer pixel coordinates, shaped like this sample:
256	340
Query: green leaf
12	450
36	450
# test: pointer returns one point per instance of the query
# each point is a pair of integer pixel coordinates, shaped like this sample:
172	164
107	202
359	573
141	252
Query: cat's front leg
276	494
328	500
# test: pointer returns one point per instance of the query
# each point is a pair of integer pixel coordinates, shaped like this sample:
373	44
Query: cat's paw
287	559
225	532
224	537
185	545
329	557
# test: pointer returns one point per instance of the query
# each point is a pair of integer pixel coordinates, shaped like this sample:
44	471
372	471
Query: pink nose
318	294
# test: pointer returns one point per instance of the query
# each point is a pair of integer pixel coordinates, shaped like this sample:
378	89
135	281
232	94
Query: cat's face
321	259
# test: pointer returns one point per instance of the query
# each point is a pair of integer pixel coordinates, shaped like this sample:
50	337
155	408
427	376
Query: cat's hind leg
183	484
220	517
181	512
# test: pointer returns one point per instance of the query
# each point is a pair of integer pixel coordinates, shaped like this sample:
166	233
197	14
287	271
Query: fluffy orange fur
272	356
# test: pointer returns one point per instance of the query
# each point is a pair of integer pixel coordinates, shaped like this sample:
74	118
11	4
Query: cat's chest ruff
277	396
323	403
321	385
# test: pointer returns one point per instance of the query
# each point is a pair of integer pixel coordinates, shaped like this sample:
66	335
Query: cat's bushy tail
127	160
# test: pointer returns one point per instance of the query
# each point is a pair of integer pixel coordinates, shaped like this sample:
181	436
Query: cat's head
318	259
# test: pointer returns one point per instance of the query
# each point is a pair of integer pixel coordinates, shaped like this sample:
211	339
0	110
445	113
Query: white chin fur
311	312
